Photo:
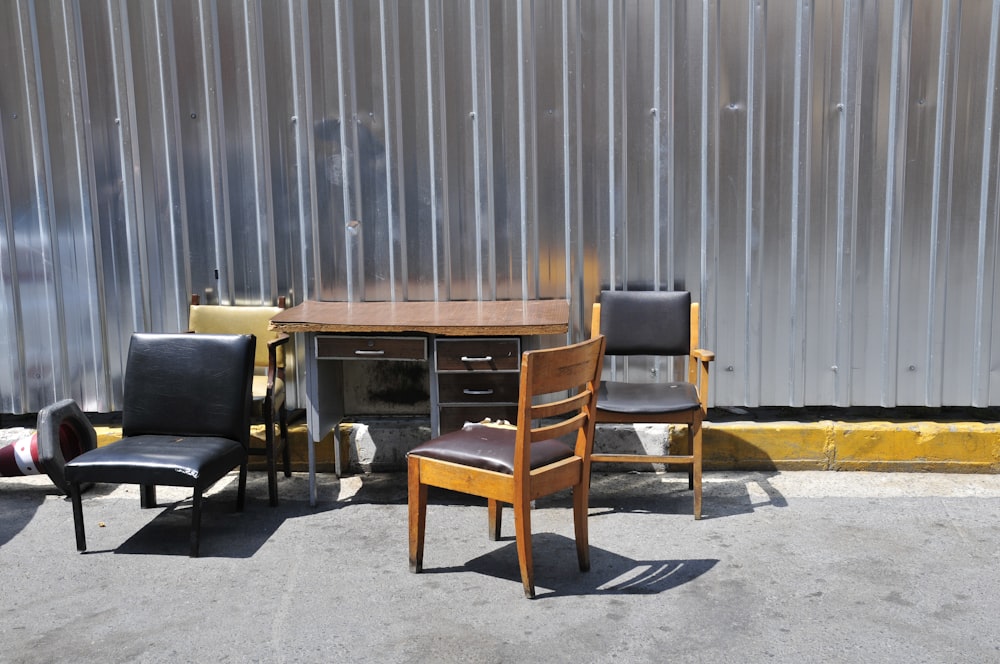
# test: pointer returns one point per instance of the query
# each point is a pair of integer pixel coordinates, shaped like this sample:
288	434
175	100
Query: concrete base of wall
380	445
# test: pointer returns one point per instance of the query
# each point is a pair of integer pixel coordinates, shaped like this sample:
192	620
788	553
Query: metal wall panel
823	176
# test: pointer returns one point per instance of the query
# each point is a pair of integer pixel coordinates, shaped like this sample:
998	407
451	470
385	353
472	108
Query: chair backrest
558	397
189	384
239	319
646	322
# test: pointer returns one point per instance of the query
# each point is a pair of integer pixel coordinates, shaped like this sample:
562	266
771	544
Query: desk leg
324	407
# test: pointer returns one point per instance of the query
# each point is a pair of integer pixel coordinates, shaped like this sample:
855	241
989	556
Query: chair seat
166	460
489	448
618	397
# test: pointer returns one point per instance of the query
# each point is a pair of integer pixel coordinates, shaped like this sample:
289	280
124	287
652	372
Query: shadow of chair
185	422
515	466
655	323
614	573
269	373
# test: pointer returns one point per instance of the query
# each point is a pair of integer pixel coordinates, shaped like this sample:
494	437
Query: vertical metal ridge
305	192
388	30
173	151
708	165
800	217
847	201
613	268
522	151
753	183
657	129
896	156
940	207
267	275
439	194
982	348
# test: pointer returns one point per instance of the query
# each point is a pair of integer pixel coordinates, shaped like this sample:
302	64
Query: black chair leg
272	469
147	495
81	538
285	452
196	521
241	491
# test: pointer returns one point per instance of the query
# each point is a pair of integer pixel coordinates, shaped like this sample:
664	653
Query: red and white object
19	452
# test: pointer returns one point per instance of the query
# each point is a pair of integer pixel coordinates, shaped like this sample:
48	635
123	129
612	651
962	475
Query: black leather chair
656	323
185	421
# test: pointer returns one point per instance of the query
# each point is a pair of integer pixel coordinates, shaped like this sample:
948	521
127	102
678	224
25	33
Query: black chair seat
620	397
163	460
489	448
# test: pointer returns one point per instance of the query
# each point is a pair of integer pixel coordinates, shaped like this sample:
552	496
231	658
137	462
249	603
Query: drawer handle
477	393
466	358
369	352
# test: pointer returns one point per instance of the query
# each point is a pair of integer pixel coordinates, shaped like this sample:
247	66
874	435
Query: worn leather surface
185	415
167	460
646	322
489	448
621	397
188	384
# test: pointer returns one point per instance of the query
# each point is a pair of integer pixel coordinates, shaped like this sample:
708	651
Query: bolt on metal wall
823	176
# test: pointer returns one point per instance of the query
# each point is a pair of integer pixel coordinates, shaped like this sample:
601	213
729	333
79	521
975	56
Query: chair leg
272	470
495	513
417	505
696	468
285	452
81	538
690	435
147	496
196	521
580	509
241	489
522	530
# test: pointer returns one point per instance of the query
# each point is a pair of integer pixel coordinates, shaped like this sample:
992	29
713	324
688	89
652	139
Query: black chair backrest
189	384
646	322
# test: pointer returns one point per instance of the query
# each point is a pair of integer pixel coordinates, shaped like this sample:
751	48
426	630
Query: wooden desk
338	331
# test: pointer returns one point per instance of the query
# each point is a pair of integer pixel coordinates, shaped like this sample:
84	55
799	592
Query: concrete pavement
804	566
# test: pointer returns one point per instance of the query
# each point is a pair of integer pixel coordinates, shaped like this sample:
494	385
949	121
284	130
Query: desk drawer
478	387
496	354
370	348
454	417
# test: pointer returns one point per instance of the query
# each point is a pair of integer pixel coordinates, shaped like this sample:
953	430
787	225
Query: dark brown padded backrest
646	322
189	385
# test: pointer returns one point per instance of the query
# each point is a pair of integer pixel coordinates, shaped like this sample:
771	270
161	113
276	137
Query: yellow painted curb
958	447
972	447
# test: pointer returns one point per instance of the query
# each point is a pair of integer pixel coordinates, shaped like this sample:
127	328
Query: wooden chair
661	323
269	373
516	466
185	422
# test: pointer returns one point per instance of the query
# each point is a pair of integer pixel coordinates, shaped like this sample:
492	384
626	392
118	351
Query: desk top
456	318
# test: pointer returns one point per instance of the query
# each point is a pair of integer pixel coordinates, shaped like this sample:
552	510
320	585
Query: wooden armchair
269	373
661	323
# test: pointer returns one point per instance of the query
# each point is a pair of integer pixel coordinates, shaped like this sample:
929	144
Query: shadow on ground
557	573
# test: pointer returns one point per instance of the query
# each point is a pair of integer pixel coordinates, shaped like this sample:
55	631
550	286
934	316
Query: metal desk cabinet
476	378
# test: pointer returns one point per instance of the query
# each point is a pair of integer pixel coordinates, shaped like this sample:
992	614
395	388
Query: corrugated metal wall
822	175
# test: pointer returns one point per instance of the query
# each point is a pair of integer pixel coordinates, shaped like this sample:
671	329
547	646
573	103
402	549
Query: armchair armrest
703	355
698	373
272	359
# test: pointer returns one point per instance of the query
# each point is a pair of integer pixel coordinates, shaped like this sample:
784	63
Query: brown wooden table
335	332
